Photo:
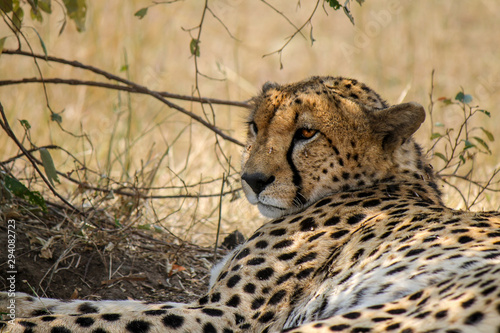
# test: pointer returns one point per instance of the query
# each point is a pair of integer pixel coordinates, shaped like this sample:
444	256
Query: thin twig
196	54
456	189
124	190
222	23
284	16
482	187
431	102
17	31
219	219
5	125
299	30
122	187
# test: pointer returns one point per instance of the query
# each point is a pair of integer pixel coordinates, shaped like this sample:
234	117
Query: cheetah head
321	136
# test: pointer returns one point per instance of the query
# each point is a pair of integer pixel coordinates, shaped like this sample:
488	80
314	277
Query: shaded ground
58	256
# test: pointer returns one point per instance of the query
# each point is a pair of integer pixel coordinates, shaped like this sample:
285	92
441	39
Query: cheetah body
360	240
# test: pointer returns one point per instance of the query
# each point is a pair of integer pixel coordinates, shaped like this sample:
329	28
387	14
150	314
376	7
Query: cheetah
359	241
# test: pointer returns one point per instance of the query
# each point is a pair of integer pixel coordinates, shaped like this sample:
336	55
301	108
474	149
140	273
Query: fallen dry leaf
176	268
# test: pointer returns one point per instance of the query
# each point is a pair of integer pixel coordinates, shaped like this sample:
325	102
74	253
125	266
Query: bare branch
138	88
165	94
12	159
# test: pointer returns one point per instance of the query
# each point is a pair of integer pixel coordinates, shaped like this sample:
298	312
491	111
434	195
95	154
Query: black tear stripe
297	178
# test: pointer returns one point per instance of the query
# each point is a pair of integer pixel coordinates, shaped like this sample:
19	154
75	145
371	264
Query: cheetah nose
257	181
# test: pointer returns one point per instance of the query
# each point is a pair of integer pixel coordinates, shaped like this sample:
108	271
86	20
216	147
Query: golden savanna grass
137	140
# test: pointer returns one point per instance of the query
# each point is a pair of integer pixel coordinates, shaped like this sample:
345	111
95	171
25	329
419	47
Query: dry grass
394	47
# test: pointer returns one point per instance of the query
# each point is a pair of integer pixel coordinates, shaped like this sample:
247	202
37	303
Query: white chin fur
271	212
266	210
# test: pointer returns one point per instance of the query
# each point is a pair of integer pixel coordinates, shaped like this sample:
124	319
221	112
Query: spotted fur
360	241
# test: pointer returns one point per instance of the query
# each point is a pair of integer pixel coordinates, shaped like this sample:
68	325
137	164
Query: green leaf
42	44
77	11
45	5
435	136
462	158
334	4
36	15
483	143
438	124
485	112
56	117
464	98
441	156
48	165
144	226
17	18
194	47
33	4
21	191
488	134
468	144
25	124
124	68
141	13
446	101
6	6
467	98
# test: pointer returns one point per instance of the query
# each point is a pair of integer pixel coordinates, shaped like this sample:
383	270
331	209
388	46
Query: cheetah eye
253	127
305	134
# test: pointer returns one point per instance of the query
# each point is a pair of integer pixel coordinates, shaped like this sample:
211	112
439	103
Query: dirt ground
58	256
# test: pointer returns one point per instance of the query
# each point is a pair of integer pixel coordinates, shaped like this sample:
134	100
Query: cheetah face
317	137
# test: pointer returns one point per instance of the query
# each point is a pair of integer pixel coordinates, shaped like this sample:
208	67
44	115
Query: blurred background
135	142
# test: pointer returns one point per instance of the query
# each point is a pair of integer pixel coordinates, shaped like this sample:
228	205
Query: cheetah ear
269	85
395	124
256	100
